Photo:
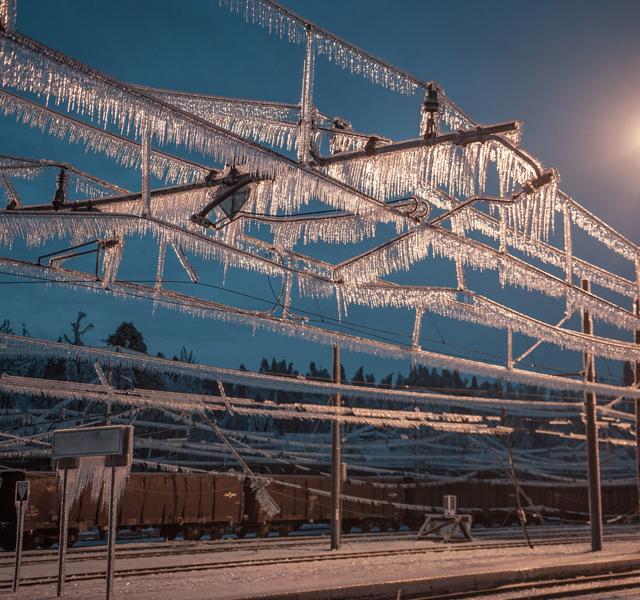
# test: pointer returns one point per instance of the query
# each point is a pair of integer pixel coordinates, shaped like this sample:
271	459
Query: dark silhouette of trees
127	336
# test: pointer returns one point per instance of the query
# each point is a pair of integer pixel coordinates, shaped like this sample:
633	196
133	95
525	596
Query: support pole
64	527
8	15
636	382
503	230
111	547
336	463
146	170
306	101
593	458
21	508
568	245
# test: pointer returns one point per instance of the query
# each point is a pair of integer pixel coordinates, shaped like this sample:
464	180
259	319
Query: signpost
22	498
70	446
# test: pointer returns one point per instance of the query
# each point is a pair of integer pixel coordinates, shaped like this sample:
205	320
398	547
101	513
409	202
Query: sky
569	70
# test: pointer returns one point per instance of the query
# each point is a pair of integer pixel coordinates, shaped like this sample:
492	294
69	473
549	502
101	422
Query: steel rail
156	549
327	556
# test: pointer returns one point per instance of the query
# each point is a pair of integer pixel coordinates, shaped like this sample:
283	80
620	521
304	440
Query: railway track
578	585
324	557
139	550
150	550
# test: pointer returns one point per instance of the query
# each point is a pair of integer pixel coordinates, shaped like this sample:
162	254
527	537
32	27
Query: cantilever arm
461	138
527	187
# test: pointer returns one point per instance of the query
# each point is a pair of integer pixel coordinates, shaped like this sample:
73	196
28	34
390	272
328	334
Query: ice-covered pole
7	15
146	170
336	459
593	456
636	379
306	99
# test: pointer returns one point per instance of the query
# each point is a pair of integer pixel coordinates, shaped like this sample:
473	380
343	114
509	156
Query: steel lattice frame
431	188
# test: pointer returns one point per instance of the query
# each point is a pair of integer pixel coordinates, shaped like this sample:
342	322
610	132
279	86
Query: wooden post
336	463
593	458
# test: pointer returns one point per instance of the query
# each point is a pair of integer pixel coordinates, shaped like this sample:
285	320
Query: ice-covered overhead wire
195	403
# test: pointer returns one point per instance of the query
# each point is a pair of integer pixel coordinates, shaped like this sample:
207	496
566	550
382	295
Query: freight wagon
216	504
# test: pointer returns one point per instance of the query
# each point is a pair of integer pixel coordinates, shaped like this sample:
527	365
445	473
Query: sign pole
70	446
111	550
62	544
22	498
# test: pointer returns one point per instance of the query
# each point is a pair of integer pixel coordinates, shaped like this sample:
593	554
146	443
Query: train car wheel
192	533
72	537
365	526
263	531
170	532
8	539
284	530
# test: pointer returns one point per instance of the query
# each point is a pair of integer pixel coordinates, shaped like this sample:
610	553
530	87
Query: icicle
343	141
20	346
279	21
600	231
93	474
28	66
533	214
268	122
125	152
213	107
8	15
407	249
89	189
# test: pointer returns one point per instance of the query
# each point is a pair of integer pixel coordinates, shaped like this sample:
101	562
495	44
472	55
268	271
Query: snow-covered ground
229	582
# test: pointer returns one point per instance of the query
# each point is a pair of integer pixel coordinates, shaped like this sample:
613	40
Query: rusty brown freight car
305	499
492	502
191	504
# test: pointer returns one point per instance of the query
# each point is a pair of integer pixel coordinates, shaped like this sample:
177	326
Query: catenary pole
336	463
636	381
593	458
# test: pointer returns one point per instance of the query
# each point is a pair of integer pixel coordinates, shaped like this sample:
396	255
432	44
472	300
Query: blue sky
570	70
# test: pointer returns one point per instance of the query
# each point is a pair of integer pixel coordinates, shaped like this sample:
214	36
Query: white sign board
94	441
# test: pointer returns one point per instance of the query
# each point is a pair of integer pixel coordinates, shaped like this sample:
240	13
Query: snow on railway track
559	537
